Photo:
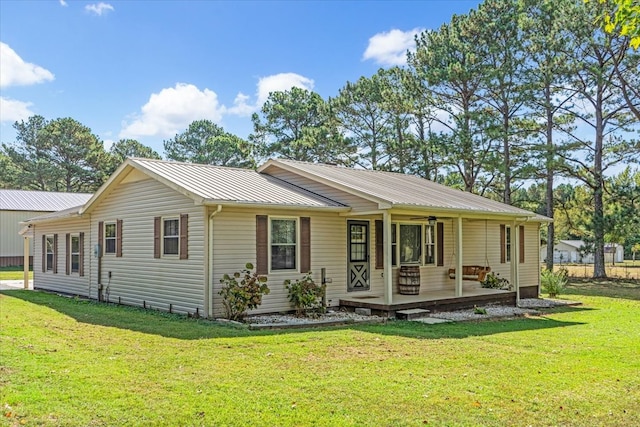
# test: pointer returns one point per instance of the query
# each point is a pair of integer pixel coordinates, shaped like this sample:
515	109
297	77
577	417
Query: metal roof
40	201
217	184
396	189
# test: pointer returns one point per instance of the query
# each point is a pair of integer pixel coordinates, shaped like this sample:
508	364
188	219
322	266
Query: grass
13	273
67	362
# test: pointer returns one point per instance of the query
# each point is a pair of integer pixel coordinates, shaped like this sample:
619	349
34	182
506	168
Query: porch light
432	220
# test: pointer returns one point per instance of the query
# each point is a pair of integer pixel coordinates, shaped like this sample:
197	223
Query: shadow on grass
181	327
609	288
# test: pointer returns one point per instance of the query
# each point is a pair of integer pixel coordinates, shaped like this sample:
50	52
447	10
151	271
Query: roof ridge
178	162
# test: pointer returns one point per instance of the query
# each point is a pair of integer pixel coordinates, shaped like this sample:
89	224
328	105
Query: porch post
515	260
26	263
388	270
459	256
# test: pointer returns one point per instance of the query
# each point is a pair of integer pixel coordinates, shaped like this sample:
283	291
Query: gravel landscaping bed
527	306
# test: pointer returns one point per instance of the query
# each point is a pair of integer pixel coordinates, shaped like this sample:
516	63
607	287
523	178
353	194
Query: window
283	244
394	245
110	238
507	243
410	243
75	254
429	244
50	253
171	236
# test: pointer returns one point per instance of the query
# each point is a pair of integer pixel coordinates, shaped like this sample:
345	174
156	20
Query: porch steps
412	313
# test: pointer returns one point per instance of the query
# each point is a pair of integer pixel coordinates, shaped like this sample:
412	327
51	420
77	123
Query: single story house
162	234
576	252
20	205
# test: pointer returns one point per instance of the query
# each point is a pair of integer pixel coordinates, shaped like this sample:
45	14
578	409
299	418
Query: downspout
210	261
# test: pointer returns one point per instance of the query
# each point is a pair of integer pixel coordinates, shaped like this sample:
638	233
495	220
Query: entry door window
358	242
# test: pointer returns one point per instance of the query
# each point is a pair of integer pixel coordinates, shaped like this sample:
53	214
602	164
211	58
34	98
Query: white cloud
15	71
279	83
390	48
171	110
63	3
12	110
99	9
241	106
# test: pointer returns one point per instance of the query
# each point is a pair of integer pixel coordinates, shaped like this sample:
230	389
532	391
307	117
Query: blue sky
146	69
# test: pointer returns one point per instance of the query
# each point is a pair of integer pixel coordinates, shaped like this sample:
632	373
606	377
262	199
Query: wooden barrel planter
409	280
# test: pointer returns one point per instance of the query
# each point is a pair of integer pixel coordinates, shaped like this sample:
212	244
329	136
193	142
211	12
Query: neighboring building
162	234
20	205
575	252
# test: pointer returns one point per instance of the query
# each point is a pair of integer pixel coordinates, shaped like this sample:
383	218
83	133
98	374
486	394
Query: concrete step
413	313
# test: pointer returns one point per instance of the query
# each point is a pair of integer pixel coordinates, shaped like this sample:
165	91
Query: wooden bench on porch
471	272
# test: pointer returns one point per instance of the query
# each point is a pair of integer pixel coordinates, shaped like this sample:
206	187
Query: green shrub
305	294
242	291
494	281
554	283
479	310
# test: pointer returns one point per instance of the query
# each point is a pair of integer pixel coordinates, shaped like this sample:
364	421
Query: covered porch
437	300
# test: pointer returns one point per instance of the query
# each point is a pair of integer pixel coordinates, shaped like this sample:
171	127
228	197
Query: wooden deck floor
440	300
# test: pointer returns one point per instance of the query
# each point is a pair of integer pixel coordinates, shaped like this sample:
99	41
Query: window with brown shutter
81	254
262	242
67	263
157	223
184	236
379	243
55	254
119	238
440	245
503	244
305	244
521	243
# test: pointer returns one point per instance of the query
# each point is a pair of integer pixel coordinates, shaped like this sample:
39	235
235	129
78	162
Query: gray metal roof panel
40	201
216	183
403	190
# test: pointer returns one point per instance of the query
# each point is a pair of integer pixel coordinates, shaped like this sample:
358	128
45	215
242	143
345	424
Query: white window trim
162	220
115	238
269	244
508	242
49	268
423	227
71	236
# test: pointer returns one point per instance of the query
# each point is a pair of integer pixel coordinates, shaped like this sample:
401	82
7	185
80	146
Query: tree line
504	101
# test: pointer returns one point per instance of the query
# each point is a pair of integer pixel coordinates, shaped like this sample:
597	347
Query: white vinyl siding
11	243
137	277
69	284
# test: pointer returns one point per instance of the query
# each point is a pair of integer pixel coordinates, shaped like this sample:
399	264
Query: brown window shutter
184	236
521	243
119	238
440	243
81	255
503	244
379	243
67	264
262	248
44	253
305	244
101	236
156	236
55	253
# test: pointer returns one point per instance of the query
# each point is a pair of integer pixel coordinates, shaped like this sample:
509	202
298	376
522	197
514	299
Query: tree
622	17
58	155
635	249
452	63
125	148
547	72
595	85
360	110
207	143
298	125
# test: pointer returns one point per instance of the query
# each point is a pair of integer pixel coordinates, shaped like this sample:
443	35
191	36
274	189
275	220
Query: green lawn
69	363
13	273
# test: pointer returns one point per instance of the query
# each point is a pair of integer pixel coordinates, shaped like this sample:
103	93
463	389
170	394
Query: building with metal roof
19	205
163	234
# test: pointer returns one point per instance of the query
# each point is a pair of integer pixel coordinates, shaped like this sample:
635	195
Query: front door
358	256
